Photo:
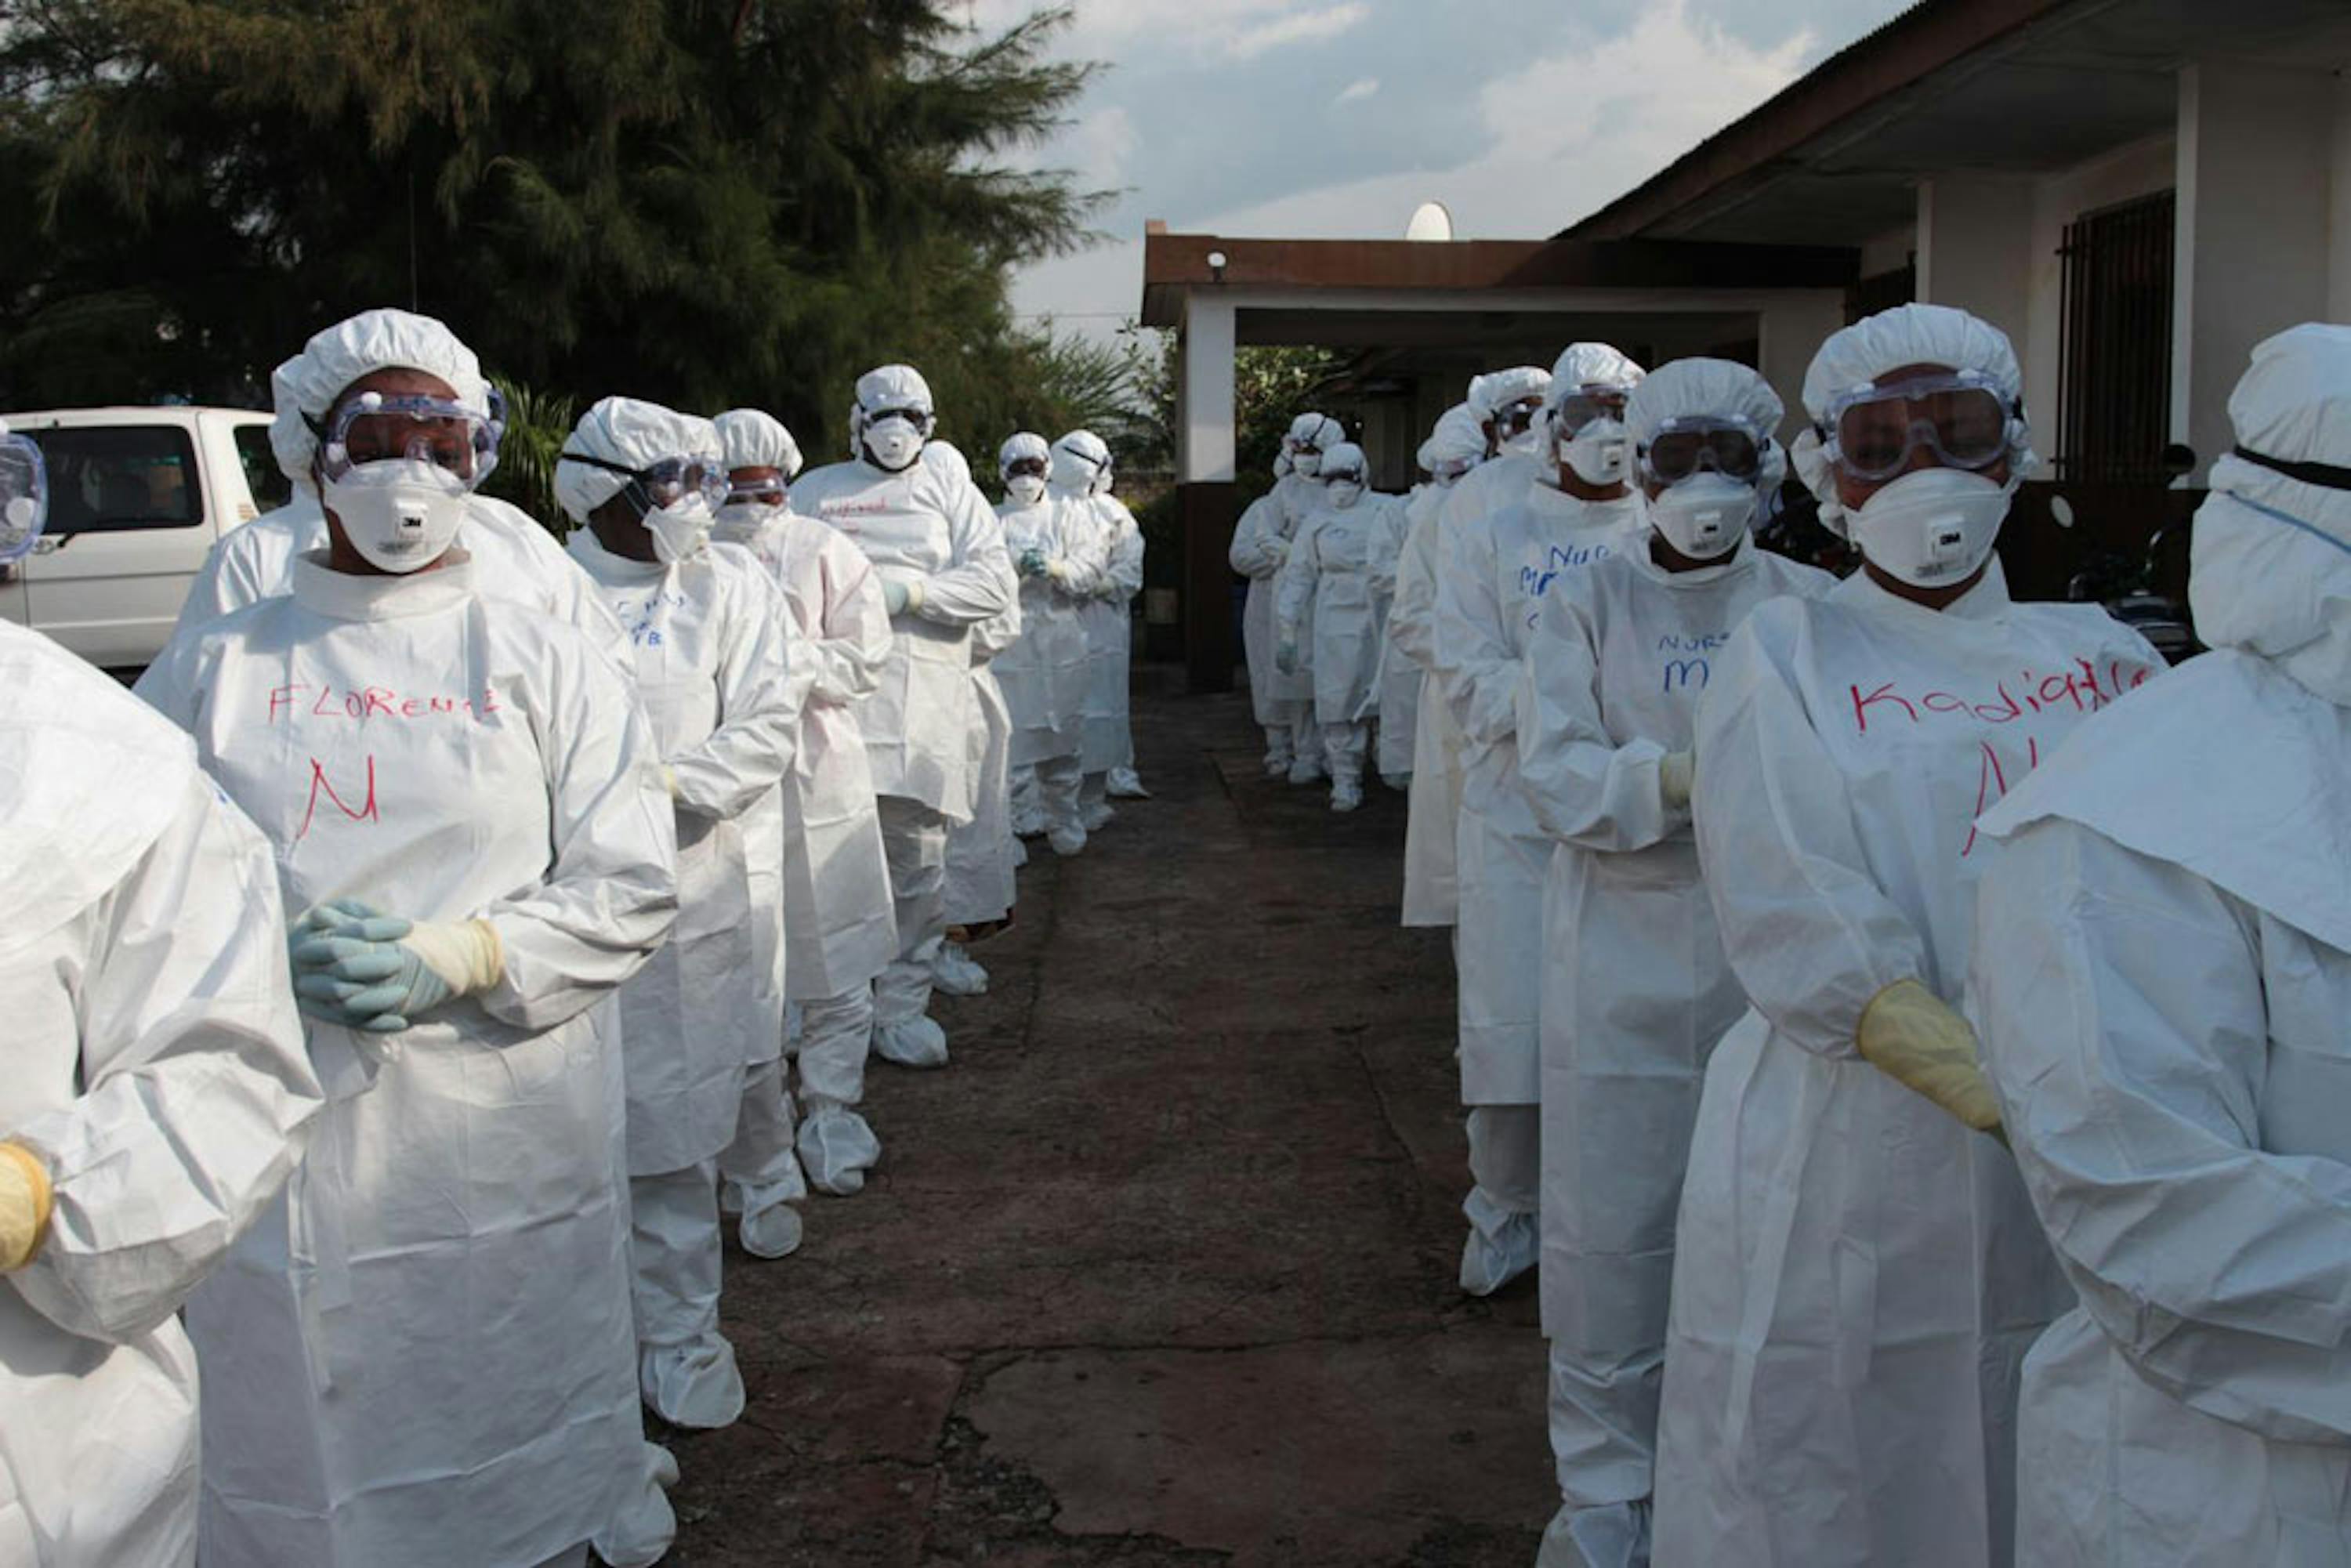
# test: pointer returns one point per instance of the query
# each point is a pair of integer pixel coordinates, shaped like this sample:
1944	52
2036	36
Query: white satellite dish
1431	221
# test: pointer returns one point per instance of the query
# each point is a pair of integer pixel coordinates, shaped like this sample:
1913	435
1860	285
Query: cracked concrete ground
1160	1269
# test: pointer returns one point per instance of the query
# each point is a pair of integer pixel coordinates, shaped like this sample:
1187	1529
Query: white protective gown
713	647
1108	742
979	870
514	558
155	1063
837	931
1493	571
1856	1275
922	525
424	1352
1635	988
1331	590
1399	695
1044	674
1431	896
2163	972
1260	544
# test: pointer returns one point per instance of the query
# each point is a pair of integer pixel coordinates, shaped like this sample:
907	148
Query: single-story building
2138	191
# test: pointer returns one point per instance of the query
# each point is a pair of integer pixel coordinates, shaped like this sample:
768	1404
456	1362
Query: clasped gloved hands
1031	562
361	968
1676	772
1913	1036
1285	655
25	1204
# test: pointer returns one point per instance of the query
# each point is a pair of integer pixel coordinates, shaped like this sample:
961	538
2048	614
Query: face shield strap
2326	476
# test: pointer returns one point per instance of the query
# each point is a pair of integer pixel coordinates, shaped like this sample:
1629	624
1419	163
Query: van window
271	489
115	478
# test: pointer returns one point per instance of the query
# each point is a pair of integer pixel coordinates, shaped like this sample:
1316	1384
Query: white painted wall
2257	218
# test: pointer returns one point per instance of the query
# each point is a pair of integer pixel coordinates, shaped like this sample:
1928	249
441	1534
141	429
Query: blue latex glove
894	596
1032	563
398	980
323	938
1285	657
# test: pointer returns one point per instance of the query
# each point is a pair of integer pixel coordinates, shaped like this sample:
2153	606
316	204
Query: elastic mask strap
2288	517
2324	475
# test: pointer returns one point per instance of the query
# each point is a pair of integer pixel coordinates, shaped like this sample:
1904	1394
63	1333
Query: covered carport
1424	315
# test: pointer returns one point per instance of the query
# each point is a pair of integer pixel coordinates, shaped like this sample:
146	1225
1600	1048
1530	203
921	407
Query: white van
137	496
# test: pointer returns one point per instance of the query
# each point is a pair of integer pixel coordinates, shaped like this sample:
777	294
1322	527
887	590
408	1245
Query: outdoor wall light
1216	265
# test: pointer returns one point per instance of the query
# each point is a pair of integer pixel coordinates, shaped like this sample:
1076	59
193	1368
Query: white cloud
1328	22
1357	91
1566	133
1096	148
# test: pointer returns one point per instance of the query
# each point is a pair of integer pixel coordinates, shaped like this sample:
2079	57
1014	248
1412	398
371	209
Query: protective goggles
1962	416
670	480
1585	404
1033	466
750	490
374	428
1341	476
920	418
1685	446
1517	418
24	495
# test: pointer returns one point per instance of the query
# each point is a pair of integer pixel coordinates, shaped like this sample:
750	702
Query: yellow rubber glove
1676	771
25	1205
1915	1038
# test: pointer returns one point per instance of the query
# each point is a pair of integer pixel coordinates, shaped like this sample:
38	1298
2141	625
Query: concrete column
2250	248
1204	437
1204	394
1788	333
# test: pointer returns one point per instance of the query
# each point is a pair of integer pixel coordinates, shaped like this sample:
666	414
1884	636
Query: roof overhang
2016	87
1342	278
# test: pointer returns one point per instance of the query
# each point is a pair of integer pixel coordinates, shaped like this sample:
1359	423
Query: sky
1335	118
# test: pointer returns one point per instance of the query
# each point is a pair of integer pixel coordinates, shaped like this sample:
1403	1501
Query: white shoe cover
771	1229
1019	854
1399	782
1277	764
1346	797
837	1148
1306	770
1126	785
957	973
1067	840
911	1042
641	1535
696	1385
1028	824
1095	815
1613	1535
1490	1261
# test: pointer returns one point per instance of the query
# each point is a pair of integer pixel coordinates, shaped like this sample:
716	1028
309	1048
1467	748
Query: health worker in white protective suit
424	1352
1332	588
1061	561
1856	1272
838	930
714	661
1511	460
1635	988
984	853
1494	568
936	544
1105	744
1283	701
1430	896
1127	557
514	558
154	1095
2163	973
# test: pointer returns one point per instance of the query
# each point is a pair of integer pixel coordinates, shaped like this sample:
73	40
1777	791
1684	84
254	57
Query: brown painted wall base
1207	510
